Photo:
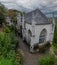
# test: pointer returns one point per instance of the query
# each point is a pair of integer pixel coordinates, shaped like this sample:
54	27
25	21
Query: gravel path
29	59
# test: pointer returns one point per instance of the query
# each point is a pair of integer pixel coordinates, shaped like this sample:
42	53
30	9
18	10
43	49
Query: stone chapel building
36	28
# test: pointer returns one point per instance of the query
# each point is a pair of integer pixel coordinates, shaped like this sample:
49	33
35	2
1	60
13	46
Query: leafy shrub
13	28
12	58
11	54
47	44
5	61
55	48
47	60
14	40
55	34
19	58
55	38
44	47
7	42
7	30
55	61
3	45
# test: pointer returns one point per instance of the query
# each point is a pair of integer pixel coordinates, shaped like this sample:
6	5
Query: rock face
36	28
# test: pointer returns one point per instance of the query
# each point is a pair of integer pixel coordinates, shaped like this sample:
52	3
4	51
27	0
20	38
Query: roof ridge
39	19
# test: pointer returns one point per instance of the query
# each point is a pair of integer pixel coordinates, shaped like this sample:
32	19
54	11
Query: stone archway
43	35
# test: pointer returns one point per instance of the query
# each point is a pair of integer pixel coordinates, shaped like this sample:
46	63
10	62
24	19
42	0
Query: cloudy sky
44	5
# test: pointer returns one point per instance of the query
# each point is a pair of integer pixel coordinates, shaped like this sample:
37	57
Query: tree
13	15
2	13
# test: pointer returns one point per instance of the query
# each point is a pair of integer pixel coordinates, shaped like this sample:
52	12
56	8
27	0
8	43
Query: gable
40	18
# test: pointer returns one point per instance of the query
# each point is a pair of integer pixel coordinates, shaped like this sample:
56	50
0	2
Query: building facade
36	28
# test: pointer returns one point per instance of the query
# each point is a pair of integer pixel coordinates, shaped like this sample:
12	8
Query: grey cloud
44	5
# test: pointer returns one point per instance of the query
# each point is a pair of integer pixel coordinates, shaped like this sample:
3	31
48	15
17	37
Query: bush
19	58
11	54
43	48
7	30
7	42
3	44
55	34
55	40
5	61
48	45
55	48
47	60
14	40
13	28
12	58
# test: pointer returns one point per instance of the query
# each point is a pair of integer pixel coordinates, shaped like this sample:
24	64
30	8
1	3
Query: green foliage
13	28
2	8
47	60
22	13
11	54
55	48
55	38
2	18
7	42
7	30
7	49
55	34
4	61
19	58
44	48
13	15
2	13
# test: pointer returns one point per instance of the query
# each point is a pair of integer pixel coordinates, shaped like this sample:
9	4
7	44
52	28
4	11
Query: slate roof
40	18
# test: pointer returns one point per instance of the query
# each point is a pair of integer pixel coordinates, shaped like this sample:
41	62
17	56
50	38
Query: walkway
29	59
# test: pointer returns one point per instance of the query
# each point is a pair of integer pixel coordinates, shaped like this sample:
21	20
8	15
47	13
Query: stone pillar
33	25
19	20
33	34
23	27
23	21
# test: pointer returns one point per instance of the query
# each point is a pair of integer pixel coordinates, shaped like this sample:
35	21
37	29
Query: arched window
42	37
29	36
52	27
29	32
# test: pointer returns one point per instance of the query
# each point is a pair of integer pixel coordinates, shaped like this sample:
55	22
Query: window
52	27
42	37
29	36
